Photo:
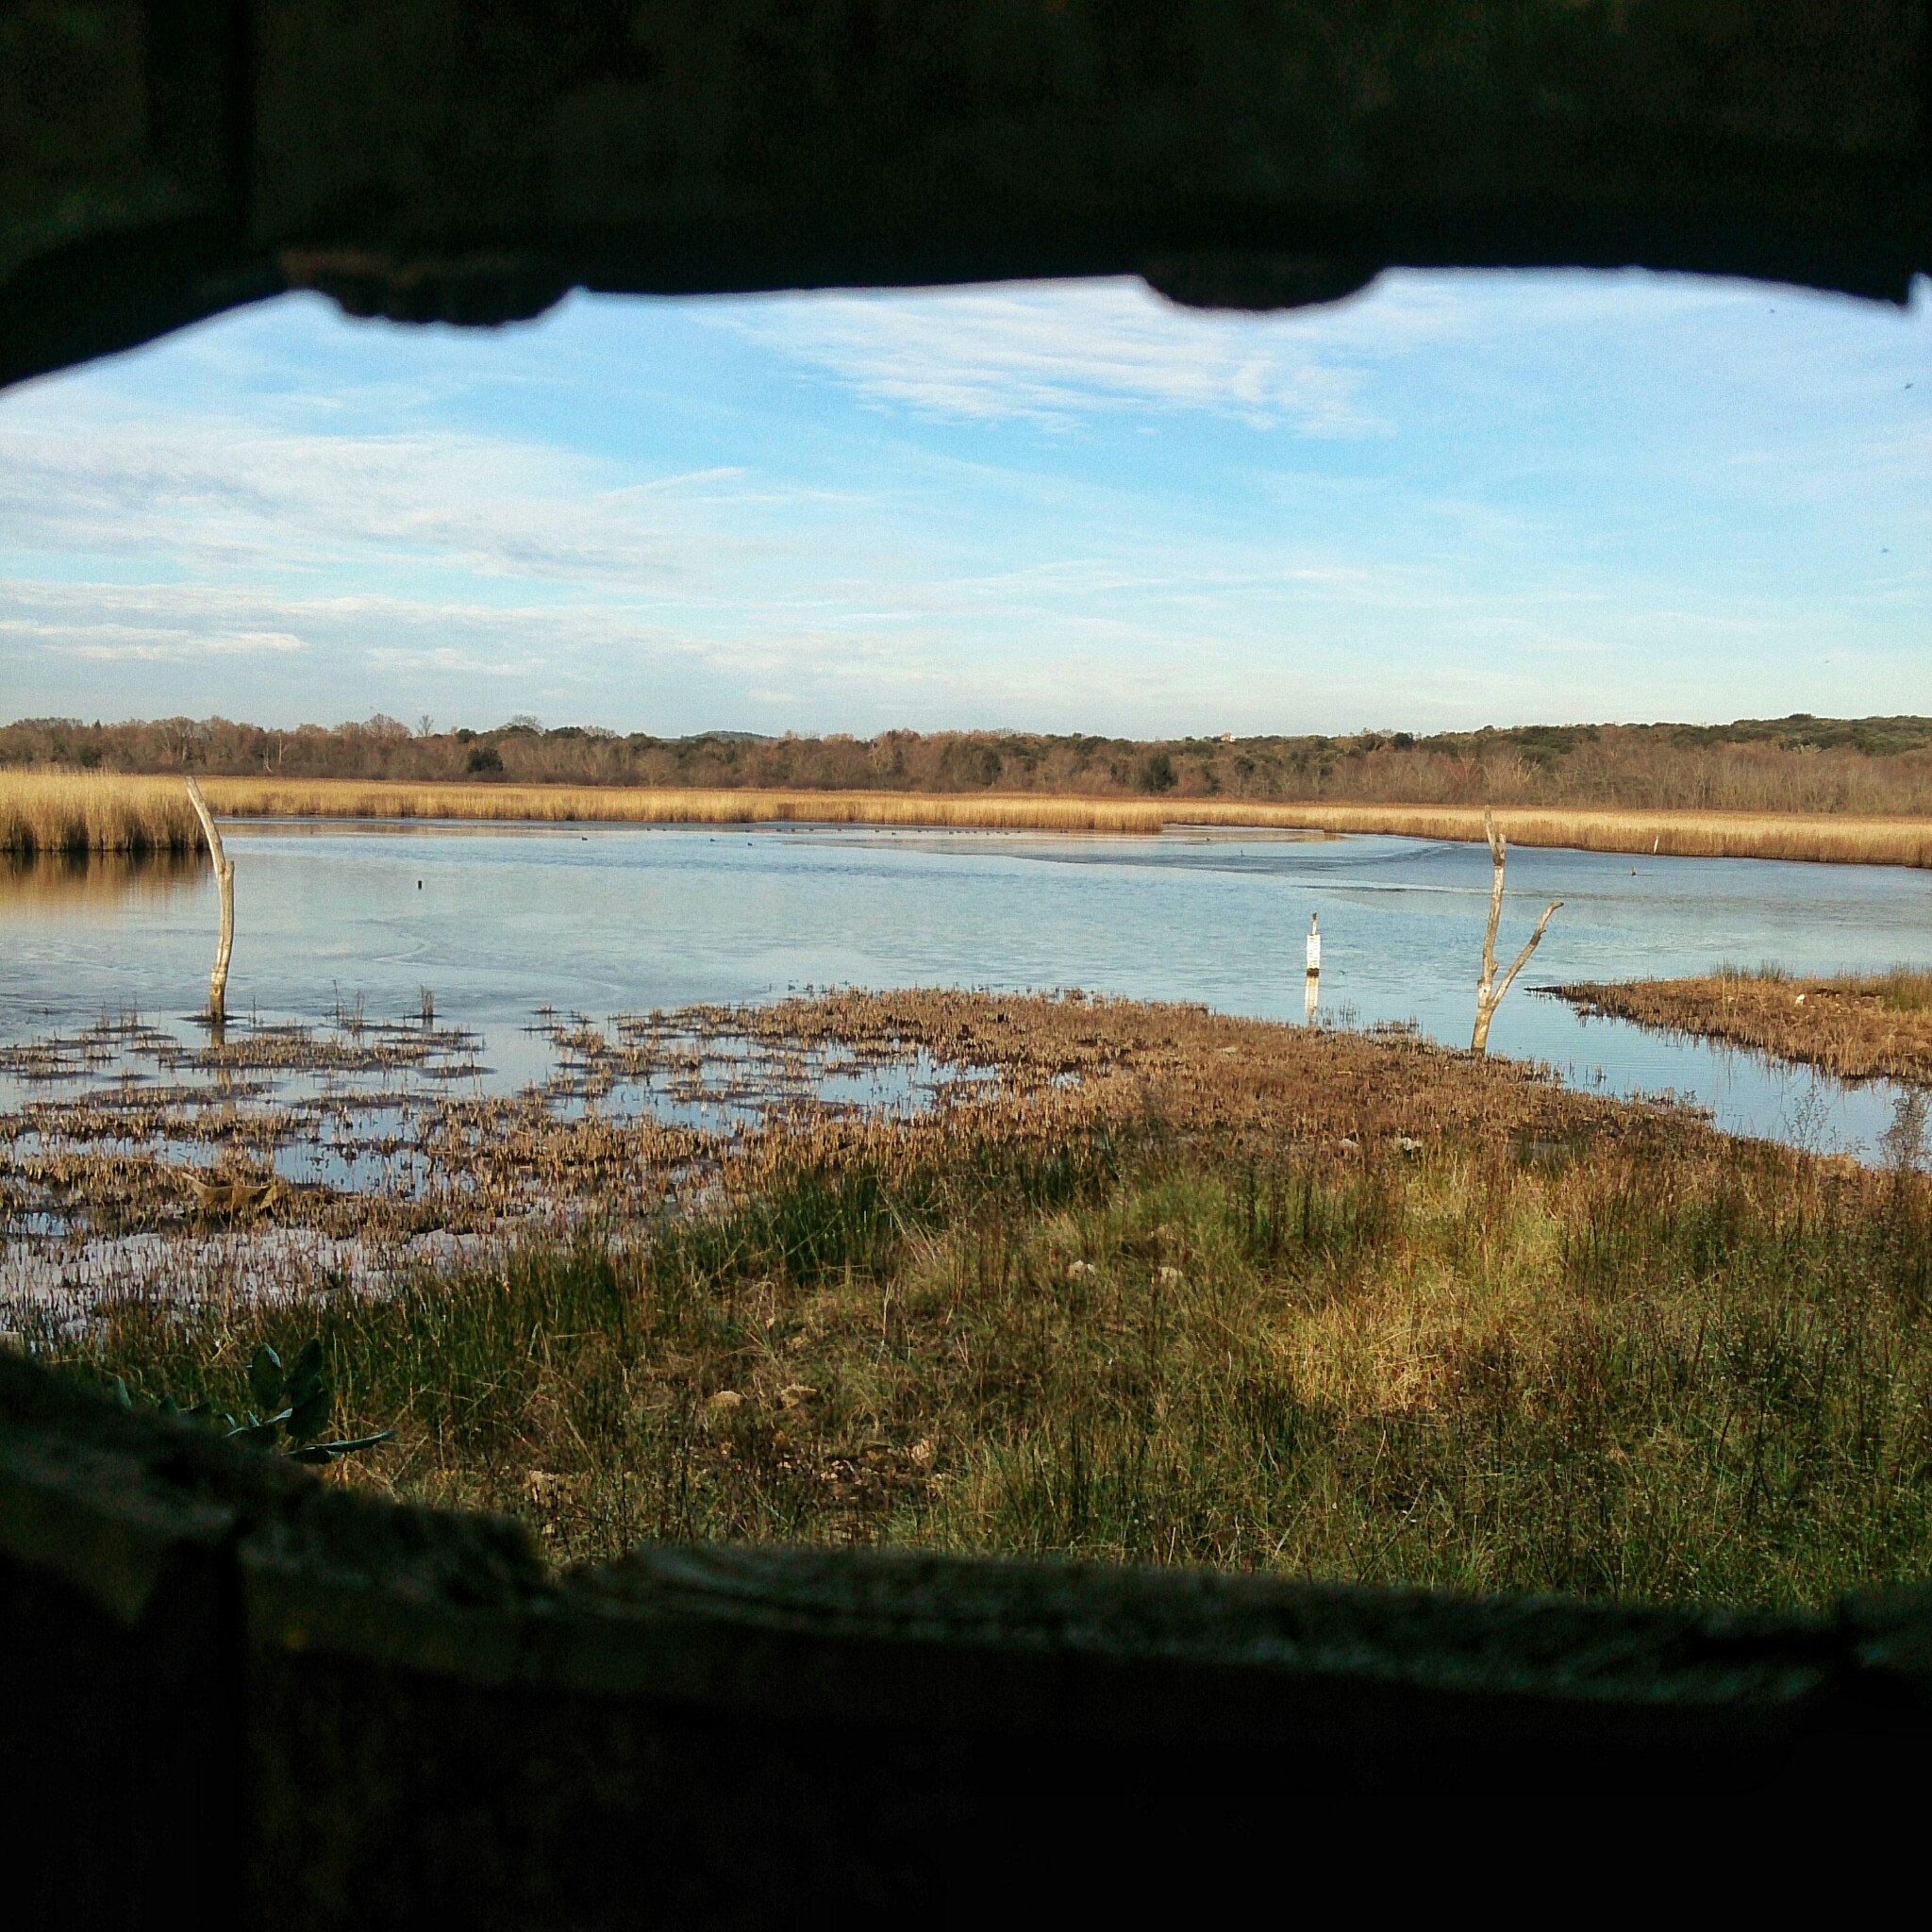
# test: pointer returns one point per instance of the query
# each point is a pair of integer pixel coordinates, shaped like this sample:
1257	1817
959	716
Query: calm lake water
499	922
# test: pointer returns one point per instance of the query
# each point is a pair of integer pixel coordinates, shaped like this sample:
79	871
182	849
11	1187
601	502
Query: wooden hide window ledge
470	160
252	1684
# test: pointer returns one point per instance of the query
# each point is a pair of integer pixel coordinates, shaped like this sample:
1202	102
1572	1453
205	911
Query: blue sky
1456	499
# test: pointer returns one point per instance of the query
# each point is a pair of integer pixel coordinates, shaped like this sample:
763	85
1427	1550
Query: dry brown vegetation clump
45	814
1857	1026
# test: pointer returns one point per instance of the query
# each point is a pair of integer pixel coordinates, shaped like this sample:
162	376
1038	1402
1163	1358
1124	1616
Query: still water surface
498	921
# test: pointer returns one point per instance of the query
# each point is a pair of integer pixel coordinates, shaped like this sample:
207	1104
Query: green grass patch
1661	1374
1902	989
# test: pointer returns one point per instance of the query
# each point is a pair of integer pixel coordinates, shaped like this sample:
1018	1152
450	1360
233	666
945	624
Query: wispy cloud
218	492
1054	354
107	644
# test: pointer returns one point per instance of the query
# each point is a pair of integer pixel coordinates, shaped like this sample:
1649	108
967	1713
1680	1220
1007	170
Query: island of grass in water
1857	1026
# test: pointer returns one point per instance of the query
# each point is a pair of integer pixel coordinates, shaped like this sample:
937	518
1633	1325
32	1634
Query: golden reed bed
45	813
53	812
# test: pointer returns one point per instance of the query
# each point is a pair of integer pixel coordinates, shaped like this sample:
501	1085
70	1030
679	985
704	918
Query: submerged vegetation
1858	1025
642	1115
1168	1286
70	812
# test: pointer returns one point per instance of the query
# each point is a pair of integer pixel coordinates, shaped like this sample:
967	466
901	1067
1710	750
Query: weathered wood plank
471	159
378	1710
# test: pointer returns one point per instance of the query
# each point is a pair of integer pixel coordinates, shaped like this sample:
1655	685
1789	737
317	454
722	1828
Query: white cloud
1051	354
221	493
112	622
94	645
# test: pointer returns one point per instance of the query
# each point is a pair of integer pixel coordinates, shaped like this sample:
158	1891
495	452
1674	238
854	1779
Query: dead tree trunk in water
1488	995
225	879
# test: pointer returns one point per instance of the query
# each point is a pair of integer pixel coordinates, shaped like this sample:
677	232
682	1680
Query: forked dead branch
1488	994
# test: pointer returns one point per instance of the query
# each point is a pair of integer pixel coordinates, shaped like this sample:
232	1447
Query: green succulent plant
294	1401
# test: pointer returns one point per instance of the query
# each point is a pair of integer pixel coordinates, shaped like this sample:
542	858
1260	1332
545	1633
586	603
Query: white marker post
1312	988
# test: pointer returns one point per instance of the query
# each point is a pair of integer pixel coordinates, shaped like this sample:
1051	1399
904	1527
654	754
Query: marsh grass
1902	989
47	812
1685	834
71	814
1617	1373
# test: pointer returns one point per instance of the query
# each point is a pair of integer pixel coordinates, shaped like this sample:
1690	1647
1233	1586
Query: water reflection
1904	1145
101	883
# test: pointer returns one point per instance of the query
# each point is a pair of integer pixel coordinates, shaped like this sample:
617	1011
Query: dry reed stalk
49	814
1865	840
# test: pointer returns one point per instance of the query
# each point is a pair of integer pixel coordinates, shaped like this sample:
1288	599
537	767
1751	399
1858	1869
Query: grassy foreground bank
1659	1366
52	812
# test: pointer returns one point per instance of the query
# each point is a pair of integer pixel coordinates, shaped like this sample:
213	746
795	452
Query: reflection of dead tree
1488	995
224	878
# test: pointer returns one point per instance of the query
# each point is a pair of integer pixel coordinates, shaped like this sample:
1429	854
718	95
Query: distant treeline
1800	764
